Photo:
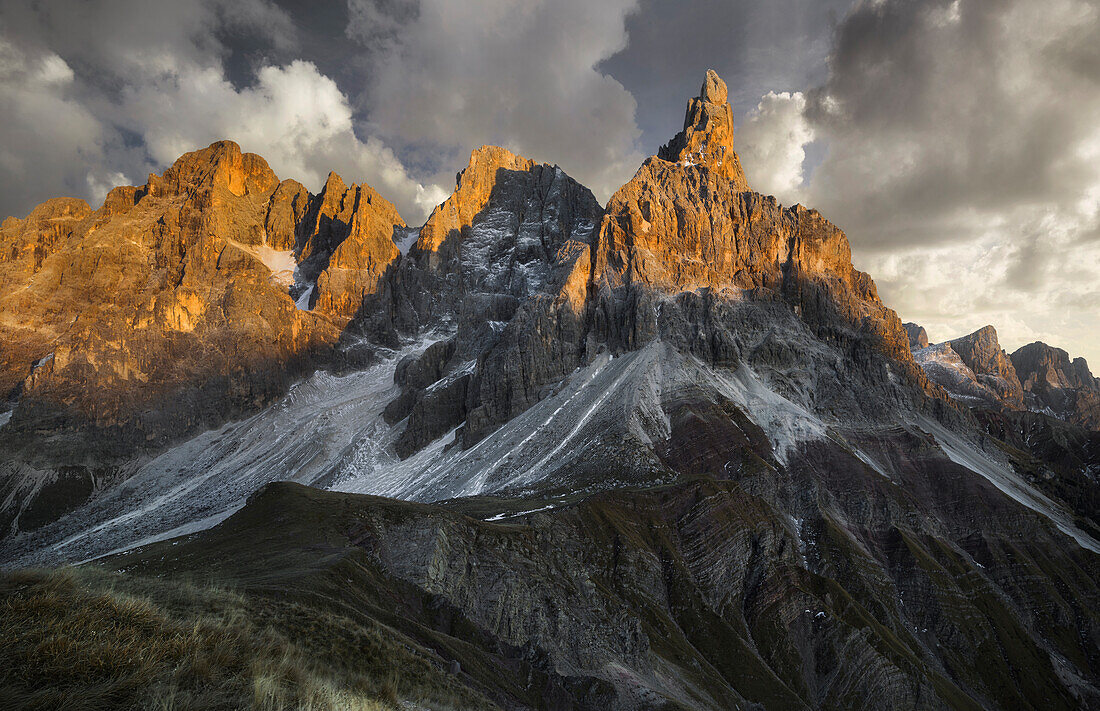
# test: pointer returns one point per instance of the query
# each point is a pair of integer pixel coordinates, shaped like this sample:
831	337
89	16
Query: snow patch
866	459
281	263
307	437
41	362
502	516
303	301
405	238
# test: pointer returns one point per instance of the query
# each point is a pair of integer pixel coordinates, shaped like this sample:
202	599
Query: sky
956	142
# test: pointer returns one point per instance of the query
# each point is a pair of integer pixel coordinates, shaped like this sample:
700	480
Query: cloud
293	116
772	145
129	98
48	139
449	76
962	151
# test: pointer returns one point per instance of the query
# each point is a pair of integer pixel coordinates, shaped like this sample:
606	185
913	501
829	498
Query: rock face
169	310
707	137
536	279
504	264
978	373
982	353
918	337
162	312
1055	384
345	245
973	369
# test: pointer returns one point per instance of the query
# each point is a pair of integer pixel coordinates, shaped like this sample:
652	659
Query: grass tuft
88	639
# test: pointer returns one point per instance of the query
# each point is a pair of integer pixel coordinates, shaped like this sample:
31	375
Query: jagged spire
707	137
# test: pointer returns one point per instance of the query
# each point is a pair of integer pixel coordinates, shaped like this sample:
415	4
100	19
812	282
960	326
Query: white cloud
772	145
294	117
161	77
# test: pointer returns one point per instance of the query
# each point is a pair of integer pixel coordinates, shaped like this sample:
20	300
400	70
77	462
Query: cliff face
707	136
345	244
170	308
975	370
982	353
918	337
1058	385
502	266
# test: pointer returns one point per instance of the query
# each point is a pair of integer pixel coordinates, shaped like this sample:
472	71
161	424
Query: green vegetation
91	639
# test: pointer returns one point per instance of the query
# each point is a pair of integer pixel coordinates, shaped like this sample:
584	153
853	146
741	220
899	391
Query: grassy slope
93	639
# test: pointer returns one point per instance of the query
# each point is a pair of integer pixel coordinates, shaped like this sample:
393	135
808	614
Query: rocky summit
671	452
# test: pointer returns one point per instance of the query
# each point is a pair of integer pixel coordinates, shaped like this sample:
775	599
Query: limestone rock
707	137
345	247
169	309
982	353
1057	385
474	186
677	227
918	337
505	260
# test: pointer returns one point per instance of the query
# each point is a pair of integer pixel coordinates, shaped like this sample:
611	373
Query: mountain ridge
669	452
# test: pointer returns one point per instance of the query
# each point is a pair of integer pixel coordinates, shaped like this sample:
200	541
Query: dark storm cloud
448	77
757	47
934	109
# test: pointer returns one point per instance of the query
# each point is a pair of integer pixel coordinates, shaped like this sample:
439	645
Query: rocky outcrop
1056	385
345	246
707	136
972	369
169	309
944	367
693	225
918	337
982	353
503	264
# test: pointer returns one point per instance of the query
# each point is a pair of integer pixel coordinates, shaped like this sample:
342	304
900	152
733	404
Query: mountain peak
334	184
714	89
219	165
707	137
473	186
918	337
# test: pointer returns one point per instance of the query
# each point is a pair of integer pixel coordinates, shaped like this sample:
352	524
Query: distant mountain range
671	452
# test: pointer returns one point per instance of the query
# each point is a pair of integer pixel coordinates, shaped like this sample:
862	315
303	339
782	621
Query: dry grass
89	639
